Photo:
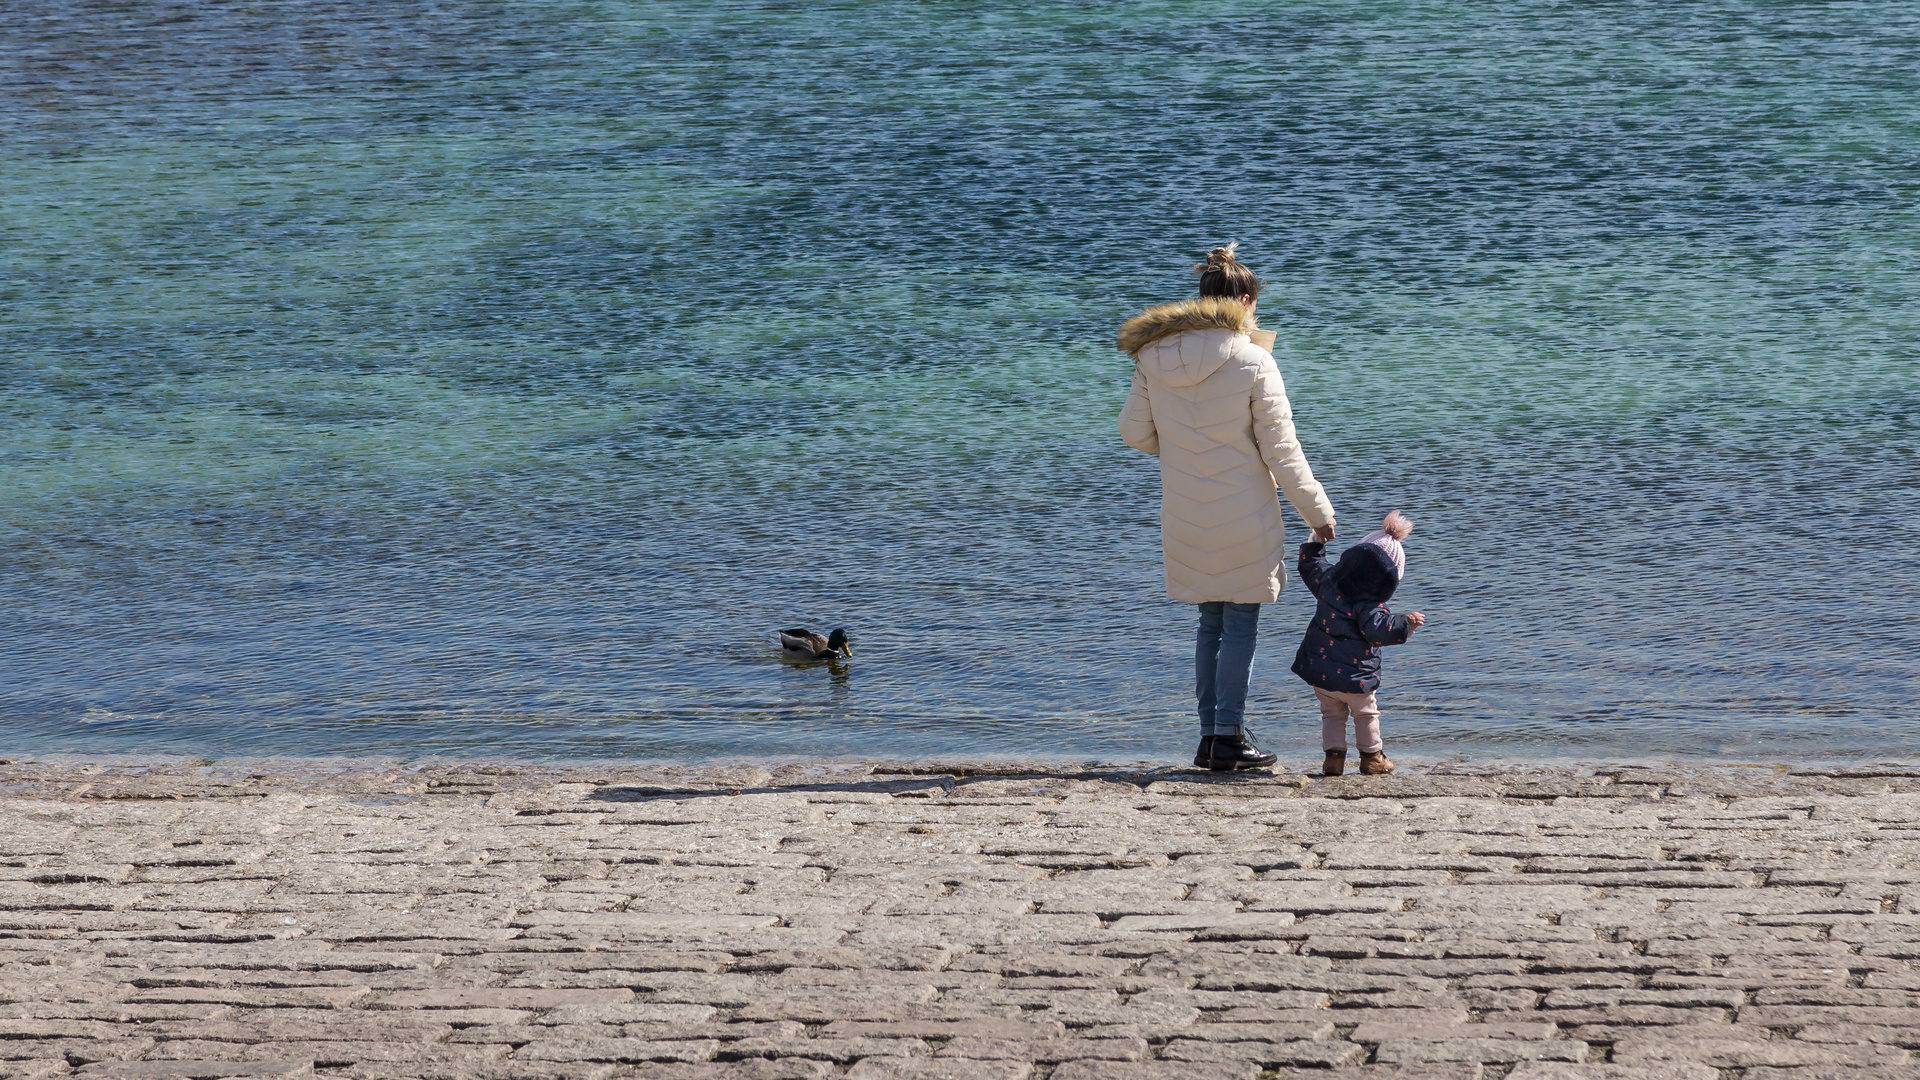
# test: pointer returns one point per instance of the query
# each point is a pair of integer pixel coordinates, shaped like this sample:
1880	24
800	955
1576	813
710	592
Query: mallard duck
804	644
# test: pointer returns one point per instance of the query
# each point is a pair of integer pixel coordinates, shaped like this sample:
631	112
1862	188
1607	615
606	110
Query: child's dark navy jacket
1342	648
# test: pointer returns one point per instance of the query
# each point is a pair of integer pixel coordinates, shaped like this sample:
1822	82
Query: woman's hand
1324	533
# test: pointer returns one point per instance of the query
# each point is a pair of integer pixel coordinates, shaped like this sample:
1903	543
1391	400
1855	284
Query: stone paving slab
957	921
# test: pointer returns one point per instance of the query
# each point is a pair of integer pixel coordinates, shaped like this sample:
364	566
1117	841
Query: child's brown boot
1375	764
1335	764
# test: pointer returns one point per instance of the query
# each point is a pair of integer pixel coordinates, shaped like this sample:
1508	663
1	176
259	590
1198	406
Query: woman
1207	398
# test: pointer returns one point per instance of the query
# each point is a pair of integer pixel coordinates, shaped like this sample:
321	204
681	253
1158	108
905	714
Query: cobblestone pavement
891	924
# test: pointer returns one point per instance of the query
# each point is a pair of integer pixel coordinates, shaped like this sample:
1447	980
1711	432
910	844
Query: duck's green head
837	641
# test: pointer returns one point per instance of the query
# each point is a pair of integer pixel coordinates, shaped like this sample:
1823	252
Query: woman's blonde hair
1224	275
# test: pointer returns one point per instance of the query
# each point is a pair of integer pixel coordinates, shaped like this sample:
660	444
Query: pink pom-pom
1398	525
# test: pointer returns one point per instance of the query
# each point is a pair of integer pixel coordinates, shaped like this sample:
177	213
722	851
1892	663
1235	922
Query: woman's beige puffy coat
1209	401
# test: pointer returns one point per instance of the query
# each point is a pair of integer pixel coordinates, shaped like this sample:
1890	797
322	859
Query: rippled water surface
491	379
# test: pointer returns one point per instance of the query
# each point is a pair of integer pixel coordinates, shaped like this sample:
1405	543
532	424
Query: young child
1340	656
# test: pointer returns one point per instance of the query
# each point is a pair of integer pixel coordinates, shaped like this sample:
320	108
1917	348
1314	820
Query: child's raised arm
1314	567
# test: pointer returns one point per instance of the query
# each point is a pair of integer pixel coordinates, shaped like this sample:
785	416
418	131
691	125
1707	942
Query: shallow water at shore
492	381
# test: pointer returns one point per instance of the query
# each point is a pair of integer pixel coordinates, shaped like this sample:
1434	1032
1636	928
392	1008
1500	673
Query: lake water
479	379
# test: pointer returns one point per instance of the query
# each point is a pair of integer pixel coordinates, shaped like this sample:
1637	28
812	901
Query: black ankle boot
1203	757
1232	753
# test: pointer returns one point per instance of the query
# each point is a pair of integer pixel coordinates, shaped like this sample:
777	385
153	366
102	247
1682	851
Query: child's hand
1418	620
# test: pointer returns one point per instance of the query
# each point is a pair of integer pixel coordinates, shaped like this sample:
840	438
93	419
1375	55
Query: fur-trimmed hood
1200	313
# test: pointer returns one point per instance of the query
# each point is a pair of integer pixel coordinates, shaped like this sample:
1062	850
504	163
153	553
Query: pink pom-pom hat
1387	537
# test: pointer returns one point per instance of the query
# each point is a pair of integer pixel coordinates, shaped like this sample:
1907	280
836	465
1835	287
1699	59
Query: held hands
1324	533
1417	620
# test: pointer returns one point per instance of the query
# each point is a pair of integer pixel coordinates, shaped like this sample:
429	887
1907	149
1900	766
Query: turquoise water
487	379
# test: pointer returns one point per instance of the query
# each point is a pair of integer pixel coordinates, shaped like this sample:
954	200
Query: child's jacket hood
1365	575
1155	338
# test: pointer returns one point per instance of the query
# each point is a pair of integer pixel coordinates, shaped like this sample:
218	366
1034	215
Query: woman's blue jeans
1222	663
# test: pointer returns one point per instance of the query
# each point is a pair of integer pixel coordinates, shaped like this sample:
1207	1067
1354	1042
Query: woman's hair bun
1218	259
1225	275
